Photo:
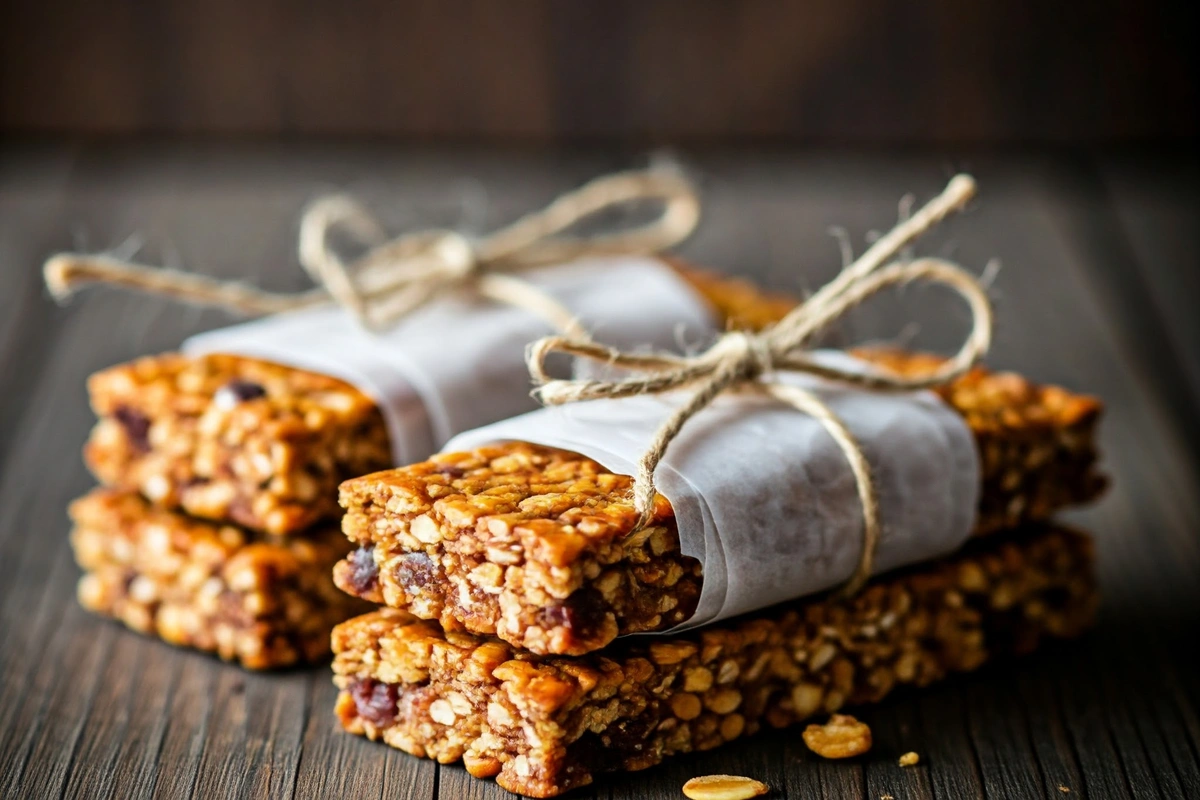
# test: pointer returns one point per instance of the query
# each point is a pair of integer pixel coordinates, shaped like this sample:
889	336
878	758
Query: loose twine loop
743	362
395	277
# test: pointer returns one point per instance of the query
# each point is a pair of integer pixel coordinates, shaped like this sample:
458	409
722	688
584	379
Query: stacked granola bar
264	601
542	725
216	527
509	570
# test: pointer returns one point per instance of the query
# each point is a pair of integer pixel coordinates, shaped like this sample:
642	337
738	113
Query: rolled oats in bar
535	545
244	440
542	725
263	601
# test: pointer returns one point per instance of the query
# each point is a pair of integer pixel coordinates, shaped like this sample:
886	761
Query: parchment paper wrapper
459	362
763	496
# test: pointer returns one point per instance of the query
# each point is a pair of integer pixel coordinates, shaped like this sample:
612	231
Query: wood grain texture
1095	289
866	71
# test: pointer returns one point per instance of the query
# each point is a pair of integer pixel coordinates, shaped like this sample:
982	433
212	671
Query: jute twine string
744	362
395	277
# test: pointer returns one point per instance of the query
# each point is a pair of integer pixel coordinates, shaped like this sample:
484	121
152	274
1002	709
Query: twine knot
750	353
744	362
396	276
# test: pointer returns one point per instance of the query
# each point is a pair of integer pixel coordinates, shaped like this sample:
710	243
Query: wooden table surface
1098	291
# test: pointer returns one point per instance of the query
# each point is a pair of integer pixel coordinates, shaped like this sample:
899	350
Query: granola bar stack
507	573
216	524
215	527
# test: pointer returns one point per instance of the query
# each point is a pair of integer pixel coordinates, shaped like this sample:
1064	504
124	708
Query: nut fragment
665	653
723	701
842	737
425	529
686	706
806	697
441	711
724	787
909	759
697	679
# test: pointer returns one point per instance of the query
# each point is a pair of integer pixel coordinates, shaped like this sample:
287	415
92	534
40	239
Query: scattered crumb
886	797
724	787
909	759
1064	790
842	737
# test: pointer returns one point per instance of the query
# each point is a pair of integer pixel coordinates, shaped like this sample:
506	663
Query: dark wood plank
1156	211
46	712
33	222
1000	737
894	728
188	726
1129	283
944	744
1058	762
124	725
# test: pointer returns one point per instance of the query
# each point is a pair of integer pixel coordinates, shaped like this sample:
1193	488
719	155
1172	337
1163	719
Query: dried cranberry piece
364	576
581	614
375	701
136	425
450	470
237	391
241	511
414	572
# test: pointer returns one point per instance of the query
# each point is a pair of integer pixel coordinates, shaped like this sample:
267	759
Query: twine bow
393	278
744	362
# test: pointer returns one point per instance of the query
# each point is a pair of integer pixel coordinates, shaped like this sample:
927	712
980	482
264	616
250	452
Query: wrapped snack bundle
714	500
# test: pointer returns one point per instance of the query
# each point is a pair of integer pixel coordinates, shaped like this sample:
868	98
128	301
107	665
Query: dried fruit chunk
842	737
724	787
236	392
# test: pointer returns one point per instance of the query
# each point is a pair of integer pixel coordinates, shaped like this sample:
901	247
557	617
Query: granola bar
534	544
233	439
263	601
542	725
241	440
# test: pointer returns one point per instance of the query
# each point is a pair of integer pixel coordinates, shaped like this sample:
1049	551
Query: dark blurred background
858	72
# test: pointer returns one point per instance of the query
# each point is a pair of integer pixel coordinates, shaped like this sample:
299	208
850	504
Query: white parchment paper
763	495
459	362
